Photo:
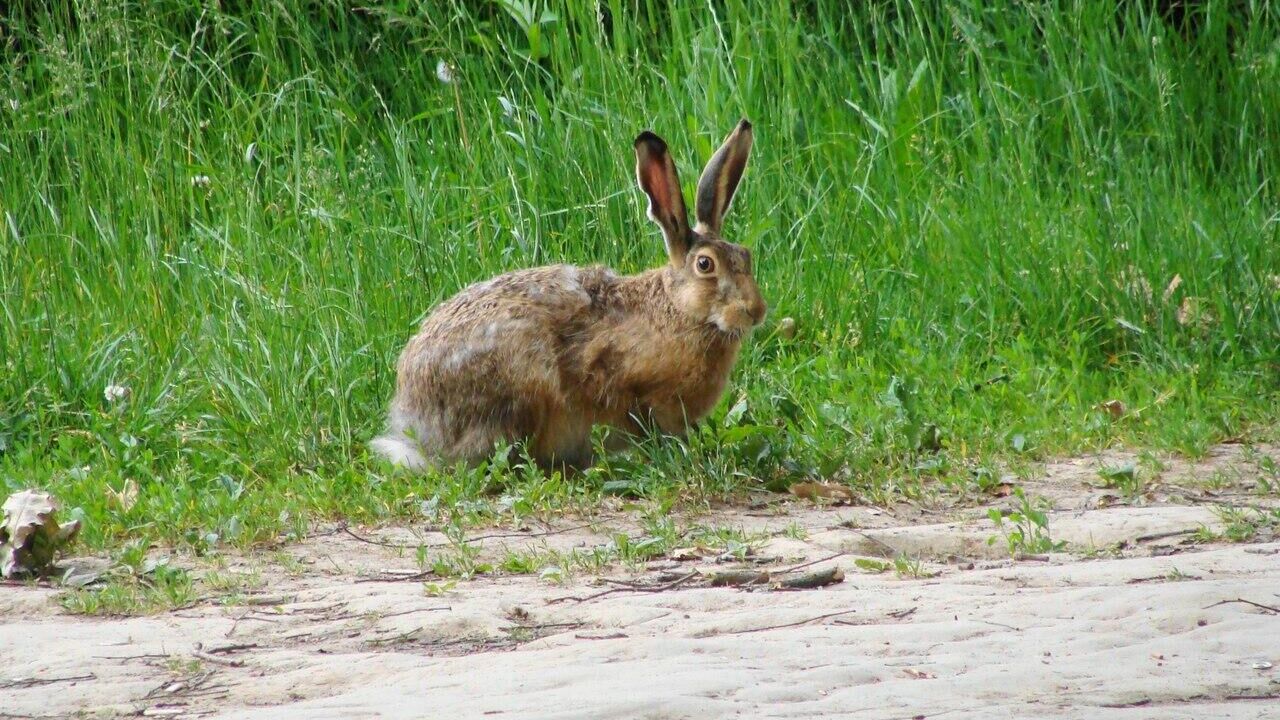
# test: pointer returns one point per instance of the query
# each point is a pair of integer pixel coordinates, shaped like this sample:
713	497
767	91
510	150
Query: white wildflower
115	393
444	72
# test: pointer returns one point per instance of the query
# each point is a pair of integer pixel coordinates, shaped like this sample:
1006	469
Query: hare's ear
656	174
720	179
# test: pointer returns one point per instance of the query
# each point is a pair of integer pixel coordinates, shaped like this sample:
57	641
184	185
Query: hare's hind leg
564	441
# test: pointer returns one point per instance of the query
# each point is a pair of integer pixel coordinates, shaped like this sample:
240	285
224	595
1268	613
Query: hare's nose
758	310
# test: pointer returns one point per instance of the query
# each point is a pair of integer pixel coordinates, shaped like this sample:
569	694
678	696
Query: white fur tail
399	450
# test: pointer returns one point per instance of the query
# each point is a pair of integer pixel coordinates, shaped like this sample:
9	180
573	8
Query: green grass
972	214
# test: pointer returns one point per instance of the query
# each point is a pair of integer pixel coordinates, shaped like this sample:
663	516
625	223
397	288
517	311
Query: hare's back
525	299
511	325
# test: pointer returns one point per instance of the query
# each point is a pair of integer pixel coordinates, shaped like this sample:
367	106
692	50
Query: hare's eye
705	264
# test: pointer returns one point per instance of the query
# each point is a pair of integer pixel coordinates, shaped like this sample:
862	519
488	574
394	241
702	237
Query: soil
1141	615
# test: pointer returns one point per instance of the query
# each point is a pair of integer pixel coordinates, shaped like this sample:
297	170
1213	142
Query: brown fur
542	355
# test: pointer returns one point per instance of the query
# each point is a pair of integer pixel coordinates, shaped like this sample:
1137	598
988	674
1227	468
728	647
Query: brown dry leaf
125	497
30	536
919	674
1107	500
1132	282
684	554
1191	312
1174	283
1003	489
1115	408
815	491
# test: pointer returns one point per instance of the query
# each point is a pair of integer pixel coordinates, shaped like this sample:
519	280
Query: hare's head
710	279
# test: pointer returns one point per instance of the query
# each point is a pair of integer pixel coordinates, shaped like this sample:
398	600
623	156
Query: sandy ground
1137	618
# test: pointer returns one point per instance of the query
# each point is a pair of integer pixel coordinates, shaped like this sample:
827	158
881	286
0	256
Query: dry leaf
690	553
1003	489
30	536
1192	312
1132	282
1115	408
814	491
1173	287
125	497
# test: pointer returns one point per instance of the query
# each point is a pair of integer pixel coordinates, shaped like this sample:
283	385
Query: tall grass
985	221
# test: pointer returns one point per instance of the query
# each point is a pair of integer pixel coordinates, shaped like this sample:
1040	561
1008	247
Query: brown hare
542	355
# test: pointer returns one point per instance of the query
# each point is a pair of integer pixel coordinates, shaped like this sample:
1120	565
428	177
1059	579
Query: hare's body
543	355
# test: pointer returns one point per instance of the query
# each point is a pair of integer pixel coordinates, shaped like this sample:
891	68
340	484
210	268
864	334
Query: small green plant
1124	478
159	588
1245	524
437	589
904	565
1025	528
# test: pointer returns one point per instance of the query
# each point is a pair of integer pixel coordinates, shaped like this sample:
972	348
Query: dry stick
477	538
215	659
493	536
397	578
373	541
234	647
144	656
738	578
1161	536
657	588
35	682
816	579
792	624
892	550
801	566
410	612
1246	602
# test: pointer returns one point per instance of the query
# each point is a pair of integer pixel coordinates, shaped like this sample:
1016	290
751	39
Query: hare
543	355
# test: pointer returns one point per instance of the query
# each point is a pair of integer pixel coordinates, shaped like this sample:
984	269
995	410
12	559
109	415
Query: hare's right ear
656	174
720	178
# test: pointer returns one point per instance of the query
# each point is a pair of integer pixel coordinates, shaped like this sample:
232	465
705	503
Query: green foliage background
976	215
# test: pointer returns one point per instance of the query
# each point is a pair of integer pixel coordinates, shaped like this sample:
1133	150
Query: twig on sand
1161	536
738	578
798	623
816	579
1260	606
416	610
207	656
34	682
373	541
811	563
654	588
233	647
464	541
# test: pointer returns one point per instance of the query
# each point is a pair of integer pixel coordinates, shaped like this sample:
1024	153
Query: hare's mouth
733	329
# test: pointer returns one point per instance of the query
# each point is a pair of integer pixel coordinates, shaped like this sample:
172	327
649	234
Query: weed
1245	524
164	588
1124	478
1025	528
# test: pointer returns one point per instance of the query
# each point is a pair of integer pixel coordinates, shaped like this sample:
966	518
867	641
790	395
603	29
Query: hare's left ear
656	175
720	179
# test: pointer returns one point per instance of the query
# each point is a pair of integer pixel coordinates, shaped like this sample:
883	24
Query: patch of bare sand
1137	619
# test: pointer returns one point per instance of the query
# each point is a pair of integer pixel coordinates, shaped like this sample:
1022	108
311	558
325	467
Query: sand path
1139	617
